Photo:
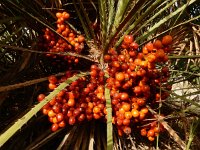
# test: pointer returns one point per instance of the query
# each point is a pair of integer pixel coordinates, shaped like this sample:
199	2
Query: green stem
110	15
193	132
103	21
179	71
109	120
184	57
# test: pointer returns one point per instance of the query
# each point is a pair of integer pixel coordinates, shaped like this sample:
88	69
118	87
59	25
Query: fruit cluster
83	99
137	78
55	43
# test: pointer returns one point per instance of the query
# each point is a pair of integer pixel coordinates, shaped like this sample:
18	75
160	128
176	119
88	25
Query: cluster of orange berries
82	100
53	43
152	130
135	78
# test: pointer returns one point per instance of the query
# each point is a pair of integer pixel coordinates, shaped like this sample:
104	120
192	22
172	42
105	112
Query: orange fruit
166	40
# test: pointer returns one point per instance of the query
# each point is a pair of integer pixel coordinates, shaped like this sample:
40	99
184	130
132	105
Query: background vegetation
24	68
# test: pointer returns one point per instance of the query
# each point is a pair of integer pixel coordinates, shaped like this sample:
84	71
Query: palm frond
153	28
103	20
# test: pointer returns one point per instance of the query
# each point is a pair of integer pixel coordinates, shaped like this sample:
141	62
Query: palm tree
25	67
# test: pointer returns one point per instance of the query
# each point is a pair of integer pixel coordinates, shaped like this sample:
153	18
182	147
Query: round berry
167	40
40	97
128	39
54	127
